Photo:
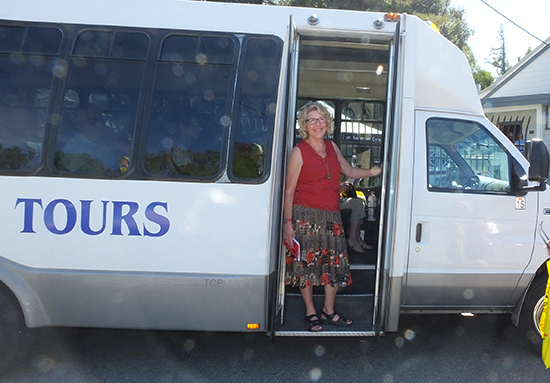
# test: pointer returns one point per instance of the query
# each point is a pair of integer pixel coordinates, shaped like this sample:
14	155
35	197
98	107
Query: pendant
328	175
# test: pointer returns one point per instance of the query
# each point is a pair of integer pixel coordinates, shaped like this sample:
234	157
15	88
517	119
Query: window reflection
189	115
25	53
463	156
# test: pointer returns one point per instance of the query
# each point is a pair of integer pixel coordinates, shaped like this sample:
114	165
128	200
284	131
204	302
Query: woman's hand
375	170
288	233
345	187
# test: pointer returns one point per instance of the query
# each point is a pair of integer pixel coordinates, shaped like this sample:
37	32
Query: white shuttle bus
143	146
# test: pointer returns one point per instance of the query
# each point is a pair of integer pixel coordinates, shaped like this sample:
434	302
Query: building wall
531	115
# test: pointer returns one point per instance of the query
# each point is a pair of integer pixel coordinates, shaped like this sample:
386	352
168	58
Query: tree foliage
528	51
498	55
482	77
269	2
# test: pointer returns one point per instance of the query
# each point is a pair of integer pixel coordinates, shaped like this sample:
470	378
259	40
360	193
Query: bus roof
196	15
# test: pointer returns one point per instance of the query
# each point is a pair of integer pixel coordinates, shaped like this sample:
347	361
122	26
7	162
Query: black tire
13	332
531	311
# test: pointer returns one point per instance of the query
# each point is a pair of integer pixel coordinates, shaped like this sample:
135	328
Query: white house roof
528	82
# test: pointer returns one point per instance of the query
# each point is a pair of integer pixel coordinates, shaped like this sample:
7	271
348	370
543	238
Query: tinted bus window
96	131
130	45
188	122
23	104
93	43
112	44
11	38
42	40
258	81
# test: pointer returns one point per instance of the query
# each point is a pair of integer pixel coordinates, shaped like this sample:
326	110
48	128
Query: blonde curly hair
304	111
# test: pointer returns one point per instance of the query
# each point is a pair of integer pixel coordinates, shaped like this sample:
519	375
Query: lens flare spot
319	350
201	59
315	374
409	334
225	121
189	345
45	364
178	70
468	294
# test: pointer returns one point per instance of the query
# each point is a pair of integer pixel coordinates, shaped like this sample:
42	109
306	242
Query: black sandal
341	321
311	323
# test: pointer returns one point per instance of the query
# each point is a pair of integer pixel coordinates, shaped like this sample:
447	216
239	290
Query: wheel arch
542	272
13	284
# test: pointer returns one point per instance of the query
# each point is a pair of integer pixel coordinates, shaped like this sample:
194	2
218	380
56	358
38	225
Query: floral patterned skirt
323	250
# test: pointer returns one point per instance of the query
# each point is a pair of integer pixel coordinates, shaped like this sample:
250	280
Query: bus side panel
202	266
164	301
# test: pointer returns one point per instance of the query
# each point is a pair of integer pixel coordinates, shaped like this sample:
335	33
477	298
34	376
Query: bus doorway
349	76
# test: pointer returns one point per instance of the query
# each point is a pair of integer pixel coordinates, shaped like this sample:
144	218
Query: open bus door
278	292
382	301
320	66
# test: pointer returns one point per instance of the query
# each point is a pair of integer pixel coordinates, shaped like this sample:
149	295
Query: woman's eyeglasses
315	121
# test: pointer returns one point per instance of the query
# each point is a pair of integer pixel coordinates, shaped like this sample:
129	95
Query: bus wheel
531	311
13	332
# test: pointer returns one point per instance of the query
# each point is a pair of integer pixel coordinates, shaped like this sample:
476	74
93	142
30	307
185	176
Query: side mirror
536	153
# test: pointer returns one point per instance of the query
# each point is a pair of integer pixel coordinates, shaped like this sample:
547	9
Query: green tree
452	25
498	54
482	77
272	2
529	50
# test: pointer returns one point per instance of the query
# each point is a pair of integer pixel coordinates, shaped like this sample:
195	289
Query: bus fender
31	306
519	306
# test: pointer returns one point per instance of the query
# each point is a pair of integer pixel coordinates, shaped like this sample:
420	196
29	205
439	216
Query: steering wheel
471	182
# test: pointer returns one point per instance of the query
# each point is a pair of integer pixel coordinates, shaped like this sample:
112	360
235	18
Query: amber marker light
392	17
253	326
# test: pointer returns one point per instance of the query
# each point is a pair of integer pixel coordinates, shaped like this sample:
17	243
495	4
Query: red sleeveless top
313	188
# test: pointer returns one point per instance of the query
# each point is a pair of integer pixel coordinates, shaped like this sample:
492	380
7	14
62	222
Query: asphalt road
443	348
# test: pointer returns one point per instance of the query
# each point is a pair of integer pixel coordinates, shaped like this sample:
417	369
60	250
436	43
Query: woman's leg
354	232
330	298
357	214
328	308
312	324
307	296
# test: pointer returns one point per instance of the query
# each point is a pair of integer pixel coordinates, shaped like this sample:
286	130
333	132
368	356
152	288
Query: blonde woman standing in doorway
312	215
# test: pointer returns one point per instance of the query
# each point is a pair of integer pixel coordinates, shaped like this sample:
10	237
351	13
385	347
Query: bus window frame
271	113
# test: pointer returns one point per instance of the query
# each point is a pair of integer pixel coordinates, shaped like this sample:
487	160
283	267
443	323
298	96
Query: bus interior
350	77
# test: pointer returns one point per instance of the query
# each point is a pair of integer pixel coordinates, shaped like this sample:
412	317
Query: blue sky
532	15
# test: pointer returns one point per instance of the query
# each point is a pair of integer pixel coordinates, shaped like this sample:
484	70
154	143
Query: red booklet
294	249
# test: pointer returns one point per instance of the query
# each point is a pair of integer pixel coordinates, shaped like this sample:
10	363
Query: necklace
326	165
324	159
